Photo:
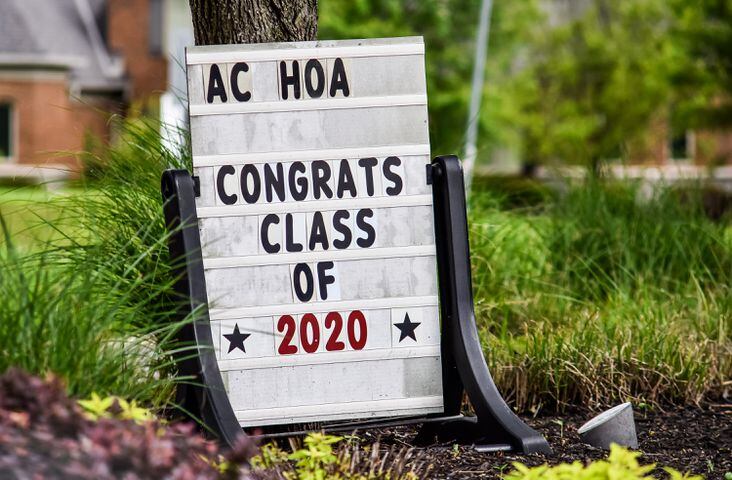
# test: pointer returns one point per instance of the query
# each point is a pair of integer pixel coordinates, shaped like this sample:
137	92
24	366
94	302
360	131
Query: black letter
223	172
272	182
238	94
215	85
338	80
308	293
345	180
253	196
366	228
321	175
302	182
293	79
317	91
264	233
392	176
368	164
338	225
317	232
323	279
290	245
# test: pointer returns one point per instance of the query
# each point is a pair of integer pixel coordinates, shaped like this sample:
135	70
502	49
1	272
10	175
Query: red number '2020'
309	329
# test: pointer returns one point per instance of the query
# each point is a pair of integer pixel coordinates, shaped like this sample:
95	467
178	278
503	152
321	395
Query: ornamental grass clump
601	295
73	321
94	302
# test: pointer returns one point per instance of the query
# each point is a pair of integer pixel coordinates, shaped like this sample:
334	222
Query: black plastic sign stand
493	428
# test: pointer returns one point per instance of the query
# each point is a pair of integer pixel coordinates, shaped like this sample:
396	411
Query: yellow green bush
97	407
621	464
329	457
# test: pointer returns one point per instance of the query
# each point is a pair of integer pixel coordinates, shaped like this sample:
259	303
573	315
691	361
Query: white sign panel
317	228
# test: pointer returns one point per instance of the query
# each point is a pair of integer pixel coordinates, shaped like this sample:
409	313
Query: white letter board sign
316	227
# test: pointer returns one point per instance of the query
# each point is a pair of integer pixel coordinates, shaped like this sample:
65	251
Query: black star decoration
236	339
406	328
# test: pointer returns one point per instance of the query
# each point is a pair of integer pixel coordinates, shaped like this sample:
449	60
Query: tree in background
580	90
594	85
253	21
618	80
449	28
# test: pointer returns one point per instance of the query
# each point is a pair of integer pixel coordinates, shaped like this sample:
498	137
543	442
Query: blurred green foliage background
566	81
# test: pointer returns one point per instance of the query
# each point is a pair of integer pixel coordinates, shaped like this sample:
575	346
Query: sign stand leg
203	396
495	426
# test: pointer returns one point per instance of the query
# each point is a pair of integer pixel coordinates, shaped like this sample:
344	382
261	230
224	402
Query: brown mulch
692	440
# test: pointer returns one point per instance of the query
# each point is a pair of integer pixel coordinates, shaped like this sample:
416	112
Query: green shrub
605	237
602	295
620	464
97	407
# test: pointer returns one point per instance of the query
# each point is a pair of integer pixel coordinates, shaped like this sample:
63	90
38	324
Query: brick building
66	64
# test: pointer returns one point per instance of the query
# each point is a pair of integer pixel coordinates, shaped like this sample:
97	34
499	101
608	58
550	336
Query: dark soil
691	440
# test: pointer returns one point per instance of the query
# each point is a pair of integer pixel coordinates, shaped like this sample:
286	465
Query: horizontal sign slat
384	380
263	81
323	205
329	358
365	409
311	105
306	50
304	155
308	130
298	181
329	336
394	252
217	313
392	227
355	280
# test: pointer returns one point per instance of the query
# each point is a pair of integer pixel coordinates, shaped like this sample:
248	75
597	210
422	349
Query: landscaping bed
46	434
694	440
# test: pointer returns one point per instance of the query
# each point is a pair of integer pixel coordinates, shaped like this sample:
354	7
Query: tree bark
218	22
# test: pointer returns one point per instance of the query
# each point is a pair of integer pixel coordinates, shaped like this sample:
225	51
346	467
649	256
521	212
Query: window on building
682	146
155	30
6	131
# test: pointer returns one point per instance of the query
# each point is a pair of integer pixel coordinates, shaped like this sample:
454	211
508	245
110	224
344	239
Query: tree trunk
254	21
